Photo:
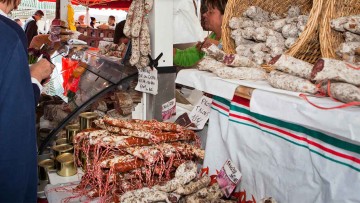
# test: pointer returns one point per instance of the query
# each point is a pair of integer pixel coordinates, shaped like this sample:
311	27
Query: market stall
274	128
289	142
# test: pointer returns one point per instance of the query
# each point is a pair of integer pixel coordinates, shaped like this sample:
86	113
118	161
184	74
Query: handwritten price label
148	81
168	109
228	177
201	112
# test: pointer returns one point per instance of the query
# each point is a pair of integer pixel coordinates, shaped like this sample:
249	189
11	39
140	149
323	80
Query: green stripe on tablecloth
301	129
216	109
295	143
222	100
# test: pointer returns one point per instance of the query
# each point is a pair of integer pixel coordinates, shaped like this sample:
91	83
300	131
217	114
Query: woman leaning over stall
213	21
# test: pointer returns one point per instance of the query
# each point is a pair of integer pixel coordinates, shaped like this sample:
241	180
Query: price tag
148	81
168	109
228	178
201	112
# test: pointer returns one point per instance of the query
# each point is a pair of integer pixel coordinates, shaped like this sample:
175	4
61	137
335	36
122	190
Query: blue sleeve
36	93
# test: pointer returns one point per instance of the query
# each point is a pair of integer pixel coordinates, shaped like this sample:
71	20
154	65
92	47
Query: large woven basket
330	39
307	46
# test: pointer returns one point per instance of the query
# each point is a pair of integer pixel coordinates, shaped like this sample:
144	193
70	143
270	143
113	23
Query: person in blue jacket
19	93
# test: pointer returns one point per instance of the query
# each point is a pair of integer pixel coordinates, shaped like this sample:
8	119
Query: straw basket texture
331	39
307	46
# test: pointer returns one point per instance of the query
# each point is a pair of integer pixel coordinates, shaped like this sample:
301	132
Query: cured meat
170	185
114	159
293	66
145	49
235	60
351	37
353	25
343	92
135	51
144	195
205	194
138	19
129	19
148	5
214	52
148	153
331	69
288	82
193	186
209	64
241	73
123	167
186	172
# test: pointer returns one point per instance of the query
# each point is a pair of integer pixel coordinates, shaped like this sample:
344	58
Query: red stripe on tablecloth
242	101
345	156
219	106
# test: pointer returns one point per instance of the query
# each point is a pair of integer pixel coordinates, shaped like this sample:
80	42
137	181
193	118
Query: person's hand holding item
208	42
41	70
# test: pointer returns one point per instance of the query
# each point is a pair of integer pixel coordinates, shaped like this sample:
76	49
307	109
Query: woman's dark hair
219	4
91	22
119	32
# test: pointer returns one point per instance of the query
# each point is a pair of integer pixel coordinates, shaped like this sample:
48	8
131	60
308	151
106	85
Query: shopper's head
38	15
119	36
81	19
111	20
203	10
10	5
214	14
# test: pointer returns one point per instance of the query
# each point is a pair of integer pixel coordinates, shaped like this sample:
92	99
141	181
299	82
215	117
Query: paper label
168	109
228	178
148	81
201	112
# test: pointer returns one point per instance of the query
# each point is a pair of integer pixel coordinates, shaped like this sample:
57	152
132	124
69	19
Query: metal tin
71	131
86	120
61	149
61	141
43	167
67	165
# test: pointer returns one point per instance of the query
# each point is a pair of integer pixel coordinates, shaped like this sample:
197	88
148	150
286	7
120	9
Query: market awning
110	4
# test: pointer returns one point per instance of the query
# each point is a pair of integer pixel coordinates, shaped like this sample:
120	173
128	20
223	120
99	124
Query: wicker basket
307	46
237	7
331	39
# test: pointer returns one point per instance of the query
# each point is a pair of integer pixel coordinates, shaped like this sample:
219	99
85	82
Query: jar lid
63	148
88	115
73	127
65	158
47	163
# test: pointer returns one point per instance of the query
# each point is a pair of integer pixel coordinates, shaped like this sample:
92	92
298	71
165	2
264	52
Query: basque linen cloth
287	161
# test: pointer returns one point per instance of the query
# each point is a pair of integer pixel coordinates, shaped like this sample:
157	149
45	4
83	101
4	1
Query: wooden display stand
94	36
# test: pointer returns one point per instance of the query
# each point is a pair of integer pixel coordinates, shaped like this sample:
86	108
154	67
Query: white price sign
148	81
228	177
201	112
168	109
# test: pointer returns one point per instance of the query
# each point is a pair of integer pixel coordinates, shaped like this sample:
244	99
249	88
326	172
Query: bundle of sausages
348	51
230	66
296	75
184	187
137	28
260	35
133	154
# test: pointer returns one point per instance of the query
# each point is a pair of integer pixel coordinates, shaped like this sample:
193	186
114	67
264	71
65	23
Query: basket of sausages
263	29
